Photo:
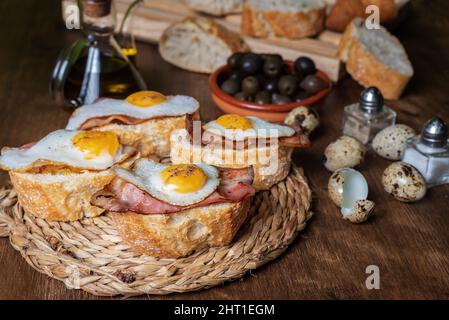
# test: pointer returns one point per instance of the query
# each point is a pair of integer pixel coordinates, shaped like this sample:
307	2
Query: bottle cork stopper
96	8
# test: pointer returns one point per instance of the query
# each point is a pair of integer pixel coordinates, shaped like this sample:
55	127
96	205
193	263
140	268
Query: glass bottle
429	152
363	120
95	66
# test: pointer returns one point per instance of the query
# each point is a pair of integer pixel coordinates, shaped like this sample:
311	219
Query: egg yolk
94	143
145	99
183	178
234	122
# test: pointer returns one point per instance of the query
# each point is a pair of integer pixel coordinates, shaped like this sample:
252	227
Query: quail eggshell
361	211
335	187
390	142
304	117
345	152
404	182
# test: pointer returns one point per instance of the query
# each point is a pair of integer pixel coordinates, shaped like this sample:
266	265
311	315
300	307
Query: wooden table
408	242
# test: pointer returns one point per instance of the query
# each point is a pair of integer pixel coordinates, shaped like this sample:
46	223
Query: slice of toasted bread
274	168
179	234
151	137
376	58
60	197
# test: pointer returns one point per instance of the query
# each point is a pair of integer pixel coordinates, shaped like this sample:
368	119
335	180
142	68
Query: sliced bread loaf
215	7
374	57
293	19
199	45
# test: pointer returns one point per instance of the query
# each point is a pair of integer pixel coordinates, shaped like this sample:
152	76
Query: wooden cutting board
152	17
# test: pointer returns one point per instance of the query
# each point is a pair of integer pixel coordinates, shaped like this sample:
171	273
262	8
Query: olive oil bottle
99	65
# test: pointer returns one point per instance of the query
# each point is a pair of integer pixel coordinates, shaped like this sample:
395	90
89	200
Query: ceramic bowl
269	112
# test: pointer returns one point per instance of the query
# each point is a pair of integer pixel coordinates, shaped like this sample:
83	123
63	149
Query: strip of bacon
122	196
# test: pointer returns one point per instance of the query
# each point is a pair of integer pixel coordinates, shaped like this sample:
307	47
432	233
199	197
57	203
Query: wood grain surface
409	242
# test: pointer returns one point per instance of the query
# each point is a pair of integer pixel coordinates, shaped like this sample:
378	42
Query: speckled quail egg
361	211
390	142
348	189
404	182
305	118
345	152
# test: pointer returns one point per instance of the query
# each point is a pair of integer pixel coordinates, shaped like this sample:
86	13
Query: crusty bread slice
179	234
274	168
344	11
62	197
374	57
293	19
199	45
215	7
151	137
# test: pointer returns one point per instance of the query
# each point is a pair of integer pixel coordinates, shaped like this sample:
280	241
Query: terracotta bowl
269	112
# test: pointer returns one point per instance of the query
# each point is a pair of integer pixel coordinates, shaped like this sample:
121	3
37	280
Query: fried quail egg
404	182
140	105
236	127
78	149
390	142
179	184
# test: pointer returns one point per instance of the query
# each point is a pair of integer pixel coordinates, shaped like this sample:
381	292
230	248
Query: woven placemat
90	255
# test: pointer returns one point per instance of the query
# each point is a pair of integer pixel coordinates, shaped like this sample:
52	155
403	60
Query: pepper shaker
429	152
363	120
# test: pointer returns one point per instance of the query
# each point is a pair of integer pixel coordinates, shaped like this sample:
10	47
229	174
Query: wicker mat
90	255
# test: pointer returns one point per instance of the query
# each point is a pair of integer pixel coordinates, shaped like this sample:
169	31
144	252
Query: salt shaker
429	152
363	120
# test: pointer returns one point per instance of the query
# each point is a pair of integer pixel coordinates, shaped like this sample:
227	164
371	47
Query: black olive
242	96
277	98
273	66
312	84
251	63
231	86
305	66
300	96
262	97
235	59
270	84
250	85
266	56
288	84
237	74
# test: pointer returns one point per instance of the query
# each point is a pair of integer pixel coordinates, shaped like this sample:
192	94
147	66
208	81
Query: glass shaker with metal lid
429	152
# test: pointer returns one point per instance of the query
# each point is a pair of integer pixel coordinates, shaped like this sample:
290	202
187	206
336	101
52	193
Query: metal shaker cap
435	133
371	100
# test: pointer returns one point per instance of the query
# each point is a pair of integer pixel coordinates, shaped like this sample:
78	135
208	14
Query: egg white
260	129
146	176
56	148
174	106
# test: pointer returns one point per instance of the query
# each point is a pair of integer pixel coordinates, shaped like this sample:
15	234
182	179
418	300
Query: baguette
179	234
199	45
375	58
265	176
215	7
283	18
344	11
